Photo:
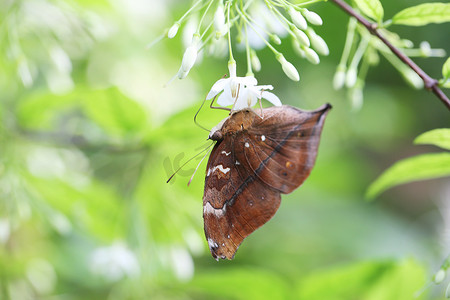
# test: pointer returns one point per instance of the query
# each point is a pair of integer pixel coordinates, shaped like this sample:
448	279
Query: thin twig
431	84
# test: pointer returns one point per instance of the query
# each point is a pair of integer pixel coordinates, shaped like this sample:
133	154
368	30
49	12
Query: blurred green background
89	136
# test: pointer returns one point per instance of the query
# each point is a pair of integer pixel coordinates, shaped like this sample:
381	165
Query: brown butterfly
257	156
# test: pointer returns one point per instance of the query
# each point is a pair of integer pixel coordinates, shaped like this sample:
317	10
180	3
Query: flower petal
217	87
243	99
225	98
265	87
272	98
247	81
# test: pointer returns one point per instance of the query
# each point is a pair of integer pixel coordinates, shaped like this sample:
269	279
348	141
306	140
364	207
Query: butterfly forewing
235	202
258	158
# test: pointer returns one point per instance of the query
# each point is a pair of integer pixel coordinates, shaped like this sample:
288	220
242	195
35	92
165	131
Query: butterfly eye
216	136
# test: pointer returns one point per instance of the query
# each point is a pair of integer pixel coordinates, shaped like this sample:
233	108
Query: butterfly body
257	156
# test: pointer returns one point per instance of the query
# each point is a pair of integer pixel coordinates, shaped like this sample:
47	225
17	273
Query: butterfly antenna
170	178
195	171
196	114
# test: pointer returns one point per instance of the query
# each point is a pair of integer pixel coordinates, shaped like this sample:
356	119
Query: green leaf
438	137
371	8
421	167
423	14
42	110
115	113
365	281
446	69
242	283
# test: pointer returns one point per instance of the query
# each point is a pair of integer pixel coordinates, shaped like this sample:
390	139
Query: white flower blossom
241	92
114	262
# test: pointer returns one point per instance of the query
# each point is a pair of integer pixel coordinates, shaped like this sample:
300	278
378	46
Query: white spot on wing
263	138
247	145
212	244
220	168
218	212
238	163
226	153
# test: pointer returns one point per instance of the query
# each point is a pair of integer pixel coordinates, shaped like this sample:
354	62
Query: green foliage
446	69
247	283
89	136
421	167
423	14
366	281
371	8
438	137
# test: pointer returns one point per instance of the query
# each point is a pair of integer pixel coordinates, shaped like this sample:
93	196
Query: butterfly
258	156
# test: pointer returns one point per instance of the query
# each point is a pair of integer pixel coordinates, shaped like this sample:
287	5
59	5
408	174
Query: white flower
241	92
114	262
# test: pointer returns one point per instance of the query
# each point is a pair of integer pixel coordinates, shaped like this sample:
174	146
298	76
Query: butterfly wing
281	147
235	201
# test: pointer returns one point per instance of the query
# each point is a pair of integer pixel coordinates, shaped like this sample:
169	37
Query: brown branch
431	84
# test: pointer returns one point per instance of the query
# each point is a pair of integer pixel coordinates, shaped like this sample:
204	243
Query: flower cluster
363	50
208	28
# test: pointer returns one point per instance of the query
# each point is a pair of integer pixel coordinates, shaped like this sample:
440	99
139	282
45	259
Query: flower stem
189	11
229	33
204	14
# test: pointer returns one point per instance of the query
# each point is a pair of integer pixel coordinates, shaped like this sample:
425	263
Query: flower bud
190	55
181	74
439	276
288	68
447	292
275	39
256	63
339	79
407	43
219	21
425	49
357	97
297	18
351	77
301	36
173	30
318	43
311	55
412	78
312	17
